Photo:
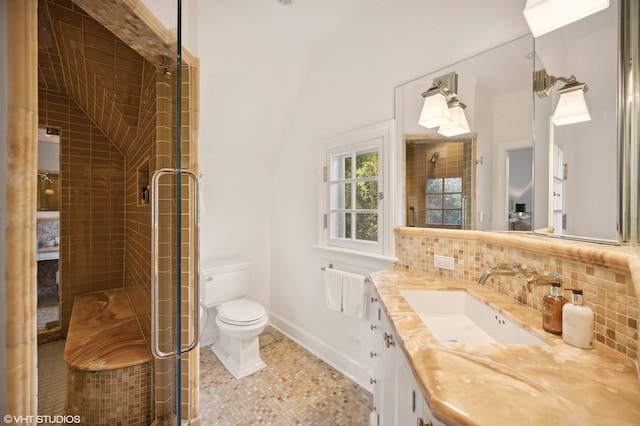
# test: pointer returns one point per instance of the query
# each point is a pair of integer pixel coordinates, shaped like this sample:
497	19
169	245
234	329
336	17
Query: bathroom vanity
421	378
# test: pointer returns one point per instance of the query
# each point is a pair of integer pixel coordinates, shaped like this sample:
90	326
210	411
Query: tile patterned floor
52	378
295	388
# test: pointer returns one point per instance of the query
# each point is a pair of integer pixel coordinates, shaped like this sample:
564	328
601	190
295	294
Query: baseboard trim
345	365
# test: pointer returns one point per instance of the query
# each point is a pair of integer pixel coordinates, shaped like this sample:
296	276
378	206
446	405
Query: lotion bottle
552	305
577	322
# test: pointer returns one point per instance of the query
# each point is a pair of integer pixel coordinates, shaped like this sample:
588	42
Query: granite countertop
508	384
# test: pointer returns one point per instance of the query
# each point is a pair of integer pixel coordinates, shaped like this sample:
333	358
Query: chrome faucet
500	269
535	279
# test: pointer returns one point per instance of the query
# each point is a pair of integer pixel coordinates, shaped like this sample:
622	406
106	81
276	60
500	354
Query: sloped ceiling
81	58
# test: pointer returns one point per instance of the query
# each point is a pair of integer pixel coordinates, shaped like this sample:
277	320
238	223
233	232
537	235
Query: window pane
340	225
366	164
452	217
340	196
453	184
434	217
367	226
367	195
434	201
452	201
434	185
340	166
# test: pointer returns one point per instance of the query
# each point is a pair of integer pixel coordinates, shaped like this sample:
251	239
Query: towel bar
330	266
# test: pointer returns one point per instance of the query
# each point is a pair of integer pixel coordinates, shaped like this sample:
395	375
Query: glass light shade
435	111
459	124
544	16
571	108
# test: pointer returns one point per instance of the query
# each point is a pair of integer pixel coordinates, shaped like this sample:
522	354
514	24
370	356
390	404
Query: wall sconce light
435	111
459	123
442	108
521	208
571	107
544	16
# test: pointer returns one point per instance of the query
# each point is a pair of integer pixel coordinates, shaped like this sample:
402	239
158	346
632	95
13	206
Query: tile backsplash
601	272
48	232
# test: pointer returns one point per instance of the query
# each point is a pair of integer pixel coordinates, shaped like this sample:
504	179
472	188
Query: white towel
353	295
333	289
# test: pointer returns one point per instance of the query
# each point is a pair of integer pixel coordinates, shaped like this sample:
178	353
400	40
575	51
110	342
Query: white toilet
239	321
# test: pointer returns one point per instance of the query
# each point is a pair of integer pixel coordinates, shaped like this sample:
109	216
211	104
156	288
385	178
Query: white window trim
348	141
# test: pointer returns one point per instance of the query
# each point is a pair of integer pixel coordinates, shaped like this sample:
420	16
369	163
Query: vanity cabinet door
376	355
384	369
410	402
398	399
387	362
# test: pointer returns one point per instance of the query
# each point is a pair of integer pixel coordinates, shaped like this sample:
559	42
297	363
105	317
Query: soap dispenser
577	322
552	305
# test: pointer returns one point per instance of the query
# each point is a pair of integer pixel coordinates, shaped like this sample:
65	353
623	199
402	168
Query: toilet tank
224	280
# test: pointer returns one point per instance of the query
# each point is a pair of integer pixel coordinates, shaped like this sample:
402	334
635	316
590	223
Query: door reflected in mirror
520	188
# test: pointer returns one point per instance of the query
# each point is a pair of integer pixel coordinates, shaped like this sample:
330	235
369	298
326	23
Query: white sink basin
457	316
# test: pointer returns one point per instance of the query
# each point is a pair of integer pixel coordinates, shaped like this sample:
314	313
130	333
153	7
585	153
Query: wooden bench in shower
109	362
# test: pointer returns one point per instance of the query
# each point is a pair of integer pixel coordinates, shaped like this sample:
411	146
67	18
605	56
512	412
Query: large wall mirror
495	86
563	184
576	175
48	170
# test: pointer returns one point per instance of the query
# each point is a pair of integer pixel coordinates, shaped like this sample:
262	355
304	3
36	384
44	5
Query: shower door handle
155	291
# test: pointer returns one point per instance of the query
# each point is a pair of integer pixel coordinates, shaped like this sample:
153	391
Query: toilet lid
241	312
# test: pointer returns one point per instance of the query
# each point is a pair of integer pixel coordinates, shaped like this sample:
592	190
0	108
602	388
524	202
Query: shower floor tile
295	388
52	379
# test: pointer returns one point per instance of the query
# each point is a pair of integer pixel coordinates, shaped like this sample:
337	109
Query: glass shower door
175	287
174	252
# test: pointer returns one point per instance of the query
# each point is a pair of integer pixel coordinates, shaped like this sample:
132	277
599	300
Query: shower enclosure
174	194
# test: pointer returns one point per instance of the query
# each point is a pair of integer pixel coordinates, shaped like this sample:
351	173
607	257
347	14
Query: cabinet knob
373	327
388	339
374	299
372	381
373	354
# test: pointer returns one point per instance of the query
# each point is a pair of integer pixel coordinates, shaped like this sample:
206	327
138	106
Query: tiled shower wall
455	160
608	288
92	204
139	166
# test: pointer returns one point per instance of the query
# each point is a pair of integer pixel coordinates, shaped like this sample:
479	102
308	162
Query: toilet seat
241	312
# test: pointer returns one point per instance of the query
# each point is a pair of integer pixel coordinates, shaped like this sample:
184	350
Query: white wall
265	104
249	79
166	11
349	85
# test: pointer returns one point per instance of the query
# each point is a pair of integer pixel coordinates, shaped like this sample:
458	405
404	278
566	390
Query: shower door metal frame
155	311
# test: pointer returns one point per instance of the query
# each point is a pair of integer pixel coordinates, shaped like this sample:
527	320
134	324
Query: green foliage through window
354	195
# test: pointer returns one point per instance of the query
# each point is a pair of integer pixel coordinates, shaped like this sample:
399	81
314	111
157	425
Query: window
444	202
354	201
